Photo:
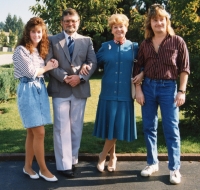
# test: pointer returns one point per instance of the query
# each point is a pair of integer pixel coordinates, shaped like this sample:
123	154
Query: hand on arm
138	78
85	69
51	64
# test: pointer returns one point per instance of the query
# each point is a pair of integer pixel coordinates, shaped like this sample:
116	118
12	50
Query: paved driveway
126	177
6	59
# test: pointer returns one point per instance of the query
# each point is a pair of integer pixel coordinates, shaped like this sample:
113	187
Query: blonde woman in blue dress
32	98
115	118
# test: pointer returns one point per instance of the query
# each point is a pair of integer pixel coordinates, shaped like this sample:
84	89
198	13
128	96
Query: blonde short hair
118	19
154	11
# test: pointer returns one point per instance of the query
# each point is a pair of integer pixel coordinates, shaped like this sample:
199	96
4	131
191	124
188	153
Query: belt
159	80
26	79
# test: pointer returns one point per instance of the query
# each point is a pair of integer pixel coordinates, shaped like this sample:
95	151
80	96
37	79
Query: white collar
67	35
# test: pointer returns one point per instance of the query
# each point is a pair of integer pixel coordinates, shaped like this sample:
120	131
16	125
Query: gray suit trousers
67	131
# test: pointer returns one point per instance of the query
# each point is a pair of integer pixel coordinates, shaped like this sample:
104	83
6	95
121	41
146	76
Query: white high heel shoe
101	166
113	167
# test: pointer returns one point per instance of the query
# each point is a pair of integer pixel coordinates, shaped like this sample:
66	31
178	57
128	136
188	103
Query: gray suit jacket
83	53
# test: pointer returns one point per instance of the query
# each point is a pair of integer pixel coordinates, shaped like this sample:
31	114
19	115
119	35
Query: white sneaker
148	170
175	177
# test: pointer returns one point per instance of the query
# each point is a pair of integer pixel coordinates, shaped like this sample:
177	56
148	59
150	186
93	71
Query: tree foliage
12	39
93	13
186	21
136	26
14	24
1	25
143	5
20	28
8	23
3	39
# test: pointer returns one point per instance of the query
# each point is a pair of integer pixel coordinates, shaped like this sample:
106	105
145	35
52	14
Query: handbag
135	51
132	89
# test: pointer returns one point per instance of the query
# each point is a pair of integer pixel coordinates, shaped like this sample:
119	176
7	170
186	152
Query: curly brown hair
25	41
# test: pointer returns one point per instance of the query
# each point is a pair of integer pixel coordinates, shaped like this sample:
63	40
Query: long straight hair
157	10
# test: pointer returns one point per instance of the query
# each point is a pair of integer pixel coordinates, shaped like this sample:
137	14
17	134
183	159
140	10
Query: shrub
8	84
191	107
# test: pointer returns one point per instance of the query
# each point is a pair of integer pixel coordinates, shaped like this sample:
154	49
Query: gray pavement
127	176
6	59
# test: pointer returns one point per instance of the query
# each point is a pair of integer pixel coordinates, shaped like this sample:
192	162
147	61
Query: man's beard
70	31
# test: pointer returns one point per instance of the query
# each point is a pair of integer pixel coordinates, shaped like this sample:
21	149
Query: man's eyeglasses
72	21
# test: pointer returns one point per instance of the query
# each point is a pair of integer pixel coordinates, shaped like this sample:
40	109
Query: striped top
25	64
172	59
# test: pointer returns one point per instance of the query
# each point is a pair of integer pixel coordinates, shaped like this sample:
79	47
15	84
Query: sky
20	8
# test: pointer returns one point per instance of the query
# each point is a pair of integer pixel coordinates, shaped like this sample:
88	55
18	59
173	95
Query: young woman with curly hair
32	98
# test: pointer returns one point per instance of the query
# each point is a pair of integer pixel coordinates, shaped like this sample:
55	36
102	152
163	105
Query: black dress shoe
67	173
73	168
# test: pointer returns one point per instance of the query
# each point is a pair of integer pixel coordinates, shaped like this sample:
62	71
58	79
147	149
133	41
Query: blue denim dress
33	102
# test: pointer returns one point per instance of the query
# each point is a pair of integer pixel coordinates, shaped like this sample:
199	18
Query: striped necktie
70	45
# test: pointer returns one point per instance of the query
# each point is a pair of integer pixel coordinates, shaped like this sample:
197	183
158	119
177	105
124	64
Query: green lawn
1	52
12	133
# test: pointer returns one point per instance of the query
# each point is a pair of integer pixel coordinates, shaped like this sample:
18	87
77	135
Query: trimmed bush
8	84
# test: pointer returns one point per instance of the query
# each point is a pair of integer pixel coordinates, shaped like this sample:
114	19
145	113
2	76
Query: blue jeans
161	93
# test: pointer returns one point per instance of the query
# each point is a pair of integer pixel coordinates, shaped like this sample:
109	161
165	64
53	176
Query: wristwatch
81	79
183	92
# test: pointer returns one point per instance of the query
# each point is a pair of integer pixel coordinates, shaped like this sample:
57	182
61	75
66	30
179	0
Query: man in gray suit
69	89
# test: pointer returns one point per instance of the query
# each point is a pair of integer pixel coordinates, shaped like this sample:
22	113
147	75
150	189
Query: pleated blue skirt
33	102
115	120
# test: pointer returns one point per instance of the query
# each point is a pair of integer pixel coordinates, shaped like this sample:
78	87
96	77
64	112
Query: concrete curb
94	157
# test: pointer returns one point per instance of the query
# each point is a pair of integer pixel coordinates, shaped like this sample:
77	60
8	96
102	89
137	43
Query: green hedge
8	84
